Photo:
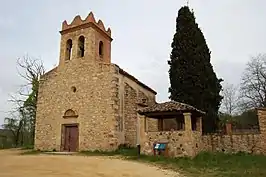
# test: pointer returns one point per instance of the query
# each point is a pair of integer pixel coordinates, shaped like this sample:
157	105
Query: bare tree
253	85
25	101
230	99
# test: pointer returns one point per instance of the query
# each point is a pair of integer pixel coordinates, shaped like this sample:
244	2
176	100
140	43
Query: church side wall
130	94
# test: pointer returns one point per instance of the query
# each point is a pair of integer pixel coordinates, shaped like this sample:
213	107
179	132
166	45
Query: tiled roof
170	106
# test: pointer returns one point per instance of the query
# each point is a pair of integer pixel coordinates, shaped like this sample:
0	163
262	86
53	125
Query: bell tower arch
85	40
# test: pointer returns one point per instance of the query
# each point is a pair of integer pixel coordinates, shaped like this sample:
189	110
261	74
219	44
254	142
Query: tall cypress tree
192	78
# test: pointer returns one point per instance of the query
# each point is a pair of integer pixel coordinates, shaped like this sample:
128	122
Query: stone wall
190	143
179	143
113	135
152	125
231	143
262	124
106	103
197	142
130	115
93	101
245	142
104	98
86	84
132	96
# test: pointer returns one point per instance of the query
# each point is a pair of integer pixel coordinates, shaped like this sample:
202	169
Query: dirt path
13	165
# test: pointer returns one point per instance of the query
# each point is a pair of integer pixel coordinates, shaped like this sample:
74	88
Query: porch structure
179	127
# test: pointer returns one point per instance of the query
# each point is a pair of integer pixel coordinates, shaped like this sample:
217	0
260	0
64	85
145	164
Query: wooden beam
167	115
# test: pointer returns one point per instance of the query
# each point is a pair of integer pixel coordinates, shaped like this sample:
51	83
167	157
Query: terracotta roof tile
169	106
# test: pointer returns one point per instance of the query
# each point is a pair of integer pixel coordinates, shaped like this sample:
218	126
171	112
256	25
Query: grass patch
30	152
126	152
27	147
203	165
3	148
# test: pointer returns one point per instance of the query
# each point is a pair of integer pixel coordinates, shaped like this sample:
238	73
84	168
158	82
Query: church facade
87	102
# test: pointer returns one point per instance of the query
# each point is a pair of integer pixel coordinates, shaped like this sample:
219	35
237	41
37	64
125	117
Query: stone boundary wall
240	142
231	143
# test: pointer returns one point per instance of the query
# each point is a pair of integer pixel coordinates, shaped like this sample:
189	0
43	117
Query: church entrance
70	137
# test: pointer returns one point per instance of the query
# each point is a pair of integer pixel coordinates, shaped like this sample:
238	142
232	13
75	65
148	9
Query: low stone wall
197	143
236	141
232	143
179	143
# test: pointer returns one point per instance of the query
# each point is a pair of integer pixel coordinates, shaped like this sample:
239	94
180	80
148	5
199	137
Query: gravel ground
14	165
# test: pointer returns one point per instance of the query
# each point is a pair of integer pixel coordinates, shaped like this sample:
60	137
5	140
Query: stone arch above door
70	114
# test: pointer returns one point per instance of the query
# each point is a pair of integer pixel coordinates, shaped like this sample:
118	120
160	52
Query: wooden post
199	124
187	117
228	128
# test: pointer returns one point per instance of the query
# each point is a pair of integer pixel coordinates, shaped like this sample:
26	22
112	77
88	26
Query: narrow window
81	48
101	48
68	49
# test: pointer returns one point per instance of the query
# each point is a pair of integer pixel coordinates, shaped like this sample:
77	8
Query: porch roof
169	108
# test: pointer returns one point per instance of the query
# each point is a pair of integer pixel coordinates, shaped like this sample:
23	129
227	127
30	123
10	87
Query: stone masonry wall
113	135
190	143
231	143
178	143
152	125
130	95
104	100
262	123
251	143
197	142
130	115
92	101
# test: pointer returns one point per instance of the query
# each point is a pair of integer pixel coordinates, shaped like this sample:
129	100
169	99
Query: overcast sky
142	31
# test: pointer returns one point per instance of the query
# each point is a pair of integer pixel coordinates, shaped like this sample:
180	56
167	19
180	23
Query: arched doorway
70	133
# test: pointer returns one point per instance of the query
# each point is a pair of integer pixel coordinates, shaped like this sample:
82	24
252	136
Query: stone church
87	102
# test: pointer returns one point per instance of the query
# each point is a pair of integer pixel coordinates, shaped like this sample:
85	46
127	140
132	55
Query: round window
74	89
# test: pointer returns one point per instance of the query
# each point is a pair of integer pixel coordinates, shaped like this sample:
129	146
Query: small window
74	89
68	49
101	48
81	46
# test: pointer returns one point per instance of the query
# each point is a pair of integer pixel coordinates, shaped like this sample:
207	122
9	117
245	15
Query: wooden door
71	138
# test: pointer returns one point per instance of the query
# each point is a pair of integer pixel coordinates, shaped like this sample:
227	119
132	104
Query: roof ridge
125	73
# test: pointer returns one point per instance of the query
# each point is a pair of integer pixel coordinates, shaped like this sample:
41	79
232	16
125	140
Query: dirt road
14	165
